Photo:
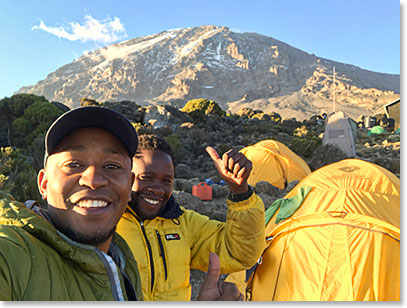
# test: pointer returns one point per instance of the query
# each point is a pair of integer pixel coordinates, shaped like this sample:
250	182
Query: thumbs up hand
233	167
213	289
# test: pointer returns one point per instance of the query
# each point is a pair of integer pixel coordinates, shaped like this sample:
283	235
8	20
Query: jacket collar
172	210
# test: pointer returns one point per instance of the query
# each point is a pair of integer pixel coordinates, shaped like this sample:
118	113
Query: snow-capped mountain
234	69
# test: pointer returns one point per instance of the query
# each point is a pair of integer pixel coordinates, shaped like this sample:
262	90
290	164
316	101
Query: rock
183	185
267	199
324	155
183	171
215	209
196	278
163	115
61	106
127	108
266	188
188	201
195	180
290	186
219	191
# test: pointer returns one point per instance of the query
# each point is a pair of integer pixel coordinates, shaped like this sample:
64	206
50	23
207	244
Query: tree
17	176
13	108
34	122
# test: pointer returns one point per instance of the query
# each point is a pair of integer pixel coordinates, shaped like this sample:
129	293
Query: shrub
175	143
143	129
197	108
88	102
304	147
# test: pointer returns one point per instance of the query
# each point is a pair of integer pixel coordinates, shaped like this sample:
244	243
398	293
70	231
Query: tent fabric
275	163
340	131
376	130
288	206
341	244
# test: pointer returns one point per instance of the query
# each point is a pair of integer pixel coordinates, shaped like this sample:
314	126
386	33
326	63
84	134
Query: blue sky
37	37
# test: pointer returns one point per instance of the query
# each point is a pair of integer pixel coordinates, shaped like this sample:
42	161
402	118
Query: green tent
376	130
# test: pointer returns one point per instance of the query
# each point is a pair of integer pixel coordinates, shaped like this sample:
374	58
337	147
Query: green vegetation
175	143
17	175
32	123
24	120
198	108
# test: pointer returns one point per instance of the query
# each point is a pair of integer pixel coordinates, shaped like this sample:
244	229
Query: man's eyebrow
114	151
73	148
81	148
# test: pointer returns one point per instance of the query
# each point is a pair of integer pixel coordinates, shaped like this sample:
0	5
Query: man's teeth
151	201
92	203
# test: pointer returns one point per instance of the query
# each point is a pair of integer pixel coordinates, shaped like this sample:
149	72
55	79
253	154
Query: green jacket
39	263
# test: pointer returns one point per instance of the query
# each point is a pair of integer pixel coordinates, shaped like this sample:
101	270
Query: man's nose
156	188
93	178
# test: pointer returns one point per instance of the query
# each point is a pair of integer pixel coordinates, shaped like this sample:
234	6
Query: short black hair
153	142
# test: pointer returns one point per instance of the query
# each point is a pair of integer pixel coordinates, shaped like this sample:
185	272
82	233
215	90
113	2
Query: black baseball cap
91	116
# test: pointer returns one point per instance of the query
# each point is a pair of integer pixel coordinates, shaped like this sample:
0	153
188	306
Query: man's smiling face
87	184
152	188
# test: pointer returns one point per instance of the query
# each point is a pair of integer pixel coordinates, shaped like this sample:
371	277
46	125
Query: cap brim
92	116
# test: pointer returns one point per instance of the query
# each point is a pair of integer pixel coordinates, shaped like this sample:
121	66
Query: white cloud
101	31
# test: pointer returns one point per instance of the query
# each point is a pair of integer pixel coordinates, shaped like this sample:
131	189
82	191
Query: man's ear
42	182
133	176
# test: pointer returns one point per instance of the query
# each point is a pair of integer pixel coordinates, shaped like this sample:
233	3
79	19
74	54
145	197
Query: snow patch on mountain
194	45
122	50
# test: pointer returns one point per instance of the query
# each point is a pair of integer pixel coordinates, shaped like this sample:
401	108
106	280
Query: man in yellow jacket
168	240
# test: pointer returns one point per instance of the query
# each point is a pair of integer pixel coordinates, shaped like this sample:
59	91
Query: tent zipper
150	252
162	253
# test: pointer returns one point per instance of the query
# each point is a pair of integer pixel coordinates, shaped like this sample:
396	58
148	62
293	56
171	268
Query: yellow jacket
167	247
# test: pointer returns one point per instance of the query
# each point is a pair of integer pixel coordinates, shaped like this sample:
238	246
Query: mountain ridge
234	69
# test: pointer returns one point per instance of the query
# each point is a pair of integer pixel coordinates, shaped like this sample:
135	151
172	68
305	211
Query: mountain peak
235	69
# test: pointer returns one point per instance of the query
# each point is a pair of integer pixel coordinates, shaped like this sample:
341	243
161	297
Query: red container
203	191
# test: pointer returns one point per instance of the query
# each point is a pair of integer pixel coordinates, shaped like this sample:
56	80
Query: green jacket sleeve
14	270
15	262
238	242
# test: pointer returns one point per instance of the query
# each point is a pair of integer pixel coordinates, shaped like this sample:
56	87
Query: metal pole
333	90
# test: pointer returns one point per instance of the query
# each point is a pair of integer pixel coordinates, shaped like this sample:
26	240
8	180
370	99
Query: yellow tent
334	237
275	163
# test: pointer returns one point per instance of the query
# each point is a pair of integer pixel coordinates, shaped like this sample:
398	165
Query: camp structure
340	130
392	111
274	162
334	237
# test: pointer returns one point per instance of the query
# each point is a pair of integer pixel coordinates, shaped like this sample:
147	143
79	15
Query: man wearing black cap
70	251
